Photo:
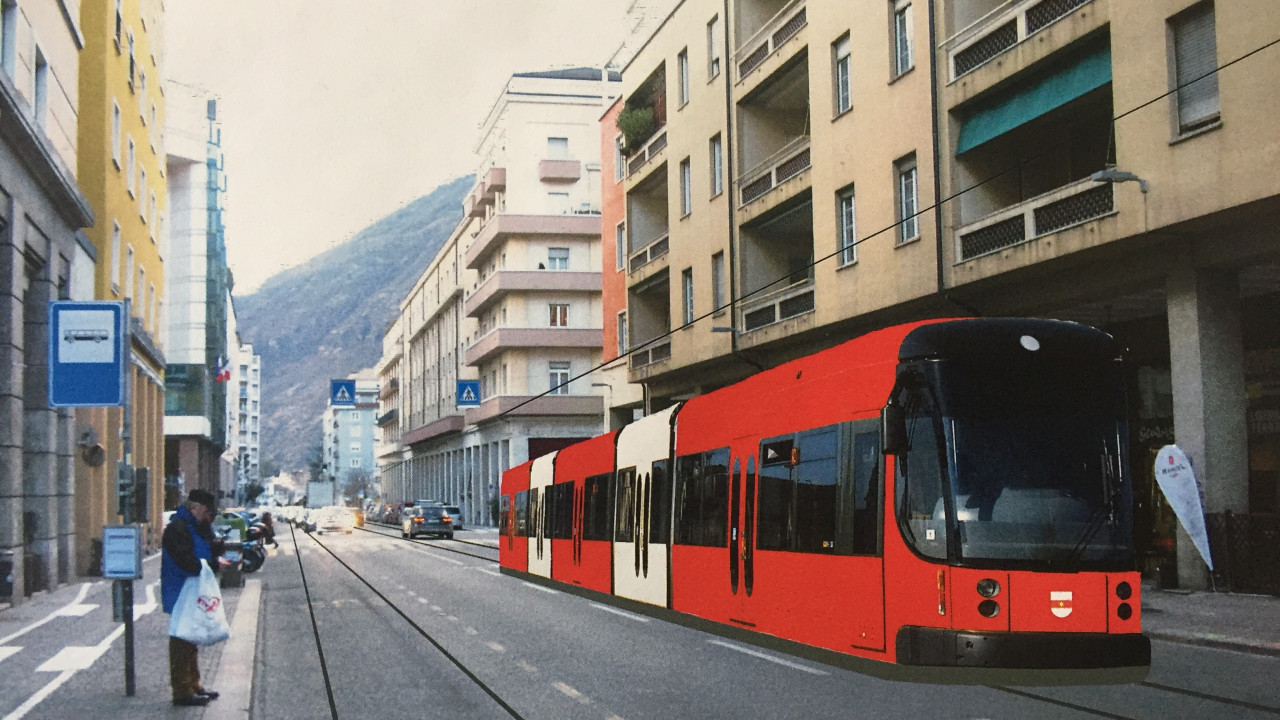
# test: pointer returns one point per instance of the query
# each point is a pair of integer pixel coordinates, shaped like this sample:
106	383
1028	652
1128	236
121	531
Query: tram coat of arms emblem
1060	603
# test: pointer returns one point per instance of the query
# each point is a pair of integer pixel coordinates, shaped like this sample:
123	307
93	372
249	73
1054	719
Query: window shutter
1196	55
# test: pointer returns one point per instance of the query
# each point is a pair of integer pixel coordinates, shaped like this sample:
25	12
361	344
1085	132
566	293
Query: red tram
944	495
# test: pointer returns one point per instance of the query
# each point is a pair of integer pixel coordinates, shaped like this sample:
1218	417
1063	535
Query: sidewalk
100	683
1232	621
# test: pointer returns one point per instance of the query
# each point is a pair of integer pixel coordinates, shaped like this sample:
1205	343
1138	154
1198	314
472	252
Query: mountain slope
325	318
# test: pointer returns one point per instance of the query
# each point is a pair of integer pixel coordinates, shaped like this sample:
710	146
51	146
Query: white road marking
73	657
434	556
623	613
495	647
437	608
570	692
9	651
44	692
423	600
84	590
527	667
77	610
452	618
489	571
150	605
770	658
543	589
471	631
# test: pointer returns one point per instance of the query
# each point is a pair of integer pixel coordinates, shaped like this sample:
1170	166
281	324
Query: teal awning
1030	102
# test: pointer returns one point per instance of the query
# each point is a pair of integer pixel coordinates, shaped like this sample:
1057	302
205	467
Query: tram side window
624	525
920	473
597	508
817	478
504	514
864	499
560	511
522	513
775	519
660	502
702	498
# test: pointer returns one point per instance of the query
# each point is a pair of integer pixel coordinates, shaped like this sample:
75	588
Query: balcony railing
788	302
791	160
1052	212
651	354
650	150
649	253
781	28
1001	29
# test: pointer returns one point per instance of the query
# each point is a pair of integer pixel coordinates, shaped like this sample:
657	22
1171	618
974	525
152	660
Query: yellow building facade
122	173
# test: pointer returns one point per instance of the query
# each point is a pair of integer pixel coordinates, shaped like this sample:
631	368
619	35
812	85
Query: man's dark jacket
185	543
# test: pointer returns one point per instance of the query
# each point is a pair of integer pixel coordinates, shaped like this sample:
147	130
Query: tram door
643	510
539	516
742	526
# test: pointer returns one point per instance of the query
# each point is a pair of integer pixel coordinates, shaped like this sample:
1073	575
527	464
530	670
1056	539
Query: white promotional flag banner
1178	483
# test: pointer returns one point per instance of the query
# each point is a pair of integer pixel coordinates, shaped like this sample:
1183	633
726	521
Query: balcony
390	416
501	226
647	152
1052	212
389	388
559	170
496	341
766	41
494	182
514	405
650	354
506	281
1001	30
790	161
444	426
649	253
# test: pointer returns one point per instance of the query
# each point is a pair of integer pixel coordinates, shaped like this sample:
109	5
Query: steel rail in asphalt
438	546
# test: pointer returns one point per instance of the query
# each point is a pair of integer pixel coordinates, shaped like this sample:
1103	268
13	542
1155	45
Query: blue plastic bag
198	615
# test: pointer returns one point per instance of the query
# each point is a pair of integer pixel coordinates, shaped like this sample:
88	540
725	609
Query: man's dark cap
203	497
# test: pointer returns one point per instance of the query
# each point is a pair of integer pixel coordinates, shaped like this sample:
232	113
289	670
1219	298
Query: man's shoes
192	700
211	694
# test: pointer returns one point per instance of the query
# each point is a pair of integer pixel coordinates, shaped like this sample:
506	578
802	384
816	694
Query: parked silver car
456	513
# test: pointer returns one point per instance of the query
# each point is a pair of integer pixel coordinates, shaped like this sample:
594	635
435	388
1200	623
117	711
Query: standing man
186	541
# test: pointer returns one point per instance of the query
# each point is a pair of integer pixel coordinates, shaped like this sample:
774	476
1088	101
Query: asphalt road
492	646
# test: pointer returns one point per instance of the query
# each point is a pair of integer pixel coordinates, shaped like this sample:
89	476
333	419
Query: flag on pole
223	371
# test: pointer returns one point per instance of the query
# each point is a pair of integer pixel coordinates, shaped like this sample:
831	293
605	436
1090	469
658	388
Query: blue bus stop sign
86	354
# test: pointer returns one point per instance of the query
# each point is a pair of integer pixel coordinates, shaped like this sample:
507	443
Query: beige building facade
814	170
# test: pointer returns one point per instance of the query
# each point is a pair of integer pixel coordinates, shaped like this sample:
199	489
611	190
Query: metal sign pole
126	446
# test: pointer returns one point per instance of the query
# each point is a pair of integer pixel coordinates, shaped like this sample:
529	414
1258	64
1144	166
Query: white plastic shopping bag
198	616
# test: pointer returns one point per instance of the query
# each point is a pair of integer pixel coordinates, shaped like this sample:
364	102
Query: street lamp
1112	175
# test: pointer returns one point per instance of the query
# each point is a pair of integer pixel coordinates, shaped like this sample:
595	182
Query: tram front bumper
940	647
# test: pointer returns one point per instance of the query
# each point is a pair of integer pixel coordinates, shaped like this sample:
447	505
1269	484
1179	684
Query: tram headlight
1124	591
989	608
1124	612
988	588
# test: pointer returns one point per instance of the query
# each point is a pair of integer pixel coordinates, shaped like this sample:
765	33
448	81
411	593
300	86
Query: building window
355	414
115	256
682	63
717	281
151	306
620	239
848	238
128	275
901	44
686	284
355	447
559	314
558	203
8	35
714	43
115	133
41	105
119	23
142	94
843	90
908	199
557	148
142	193
686	187
559	381
622	334
618	162
557	258
1195	58
140	299
717	166
131	157
355	462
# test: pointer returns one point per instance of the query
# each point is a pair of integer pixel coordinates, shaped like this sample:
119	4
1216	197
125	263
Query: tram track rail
453	659
1030	694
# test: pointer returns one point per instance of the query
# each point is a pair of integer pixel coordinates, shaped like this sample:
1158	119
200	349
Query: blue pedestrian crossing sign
86	354
468	393
342	392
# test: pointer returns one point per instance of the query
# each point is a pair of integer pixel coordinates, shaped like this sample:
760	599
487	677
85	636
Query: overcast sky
335	113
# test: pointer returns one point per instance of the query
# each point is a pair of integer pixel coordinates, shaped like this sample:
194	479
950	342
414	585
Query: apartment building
813	170
249	416
122	171
512	300
388	450
44	256
348	443
196	277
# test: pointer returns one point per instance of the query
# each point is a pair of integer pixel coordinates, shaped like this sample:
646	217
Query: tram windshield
1025	465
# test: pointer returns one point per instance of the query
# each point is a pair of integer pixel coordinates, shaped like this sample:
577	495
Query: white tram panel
540	477
639	560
